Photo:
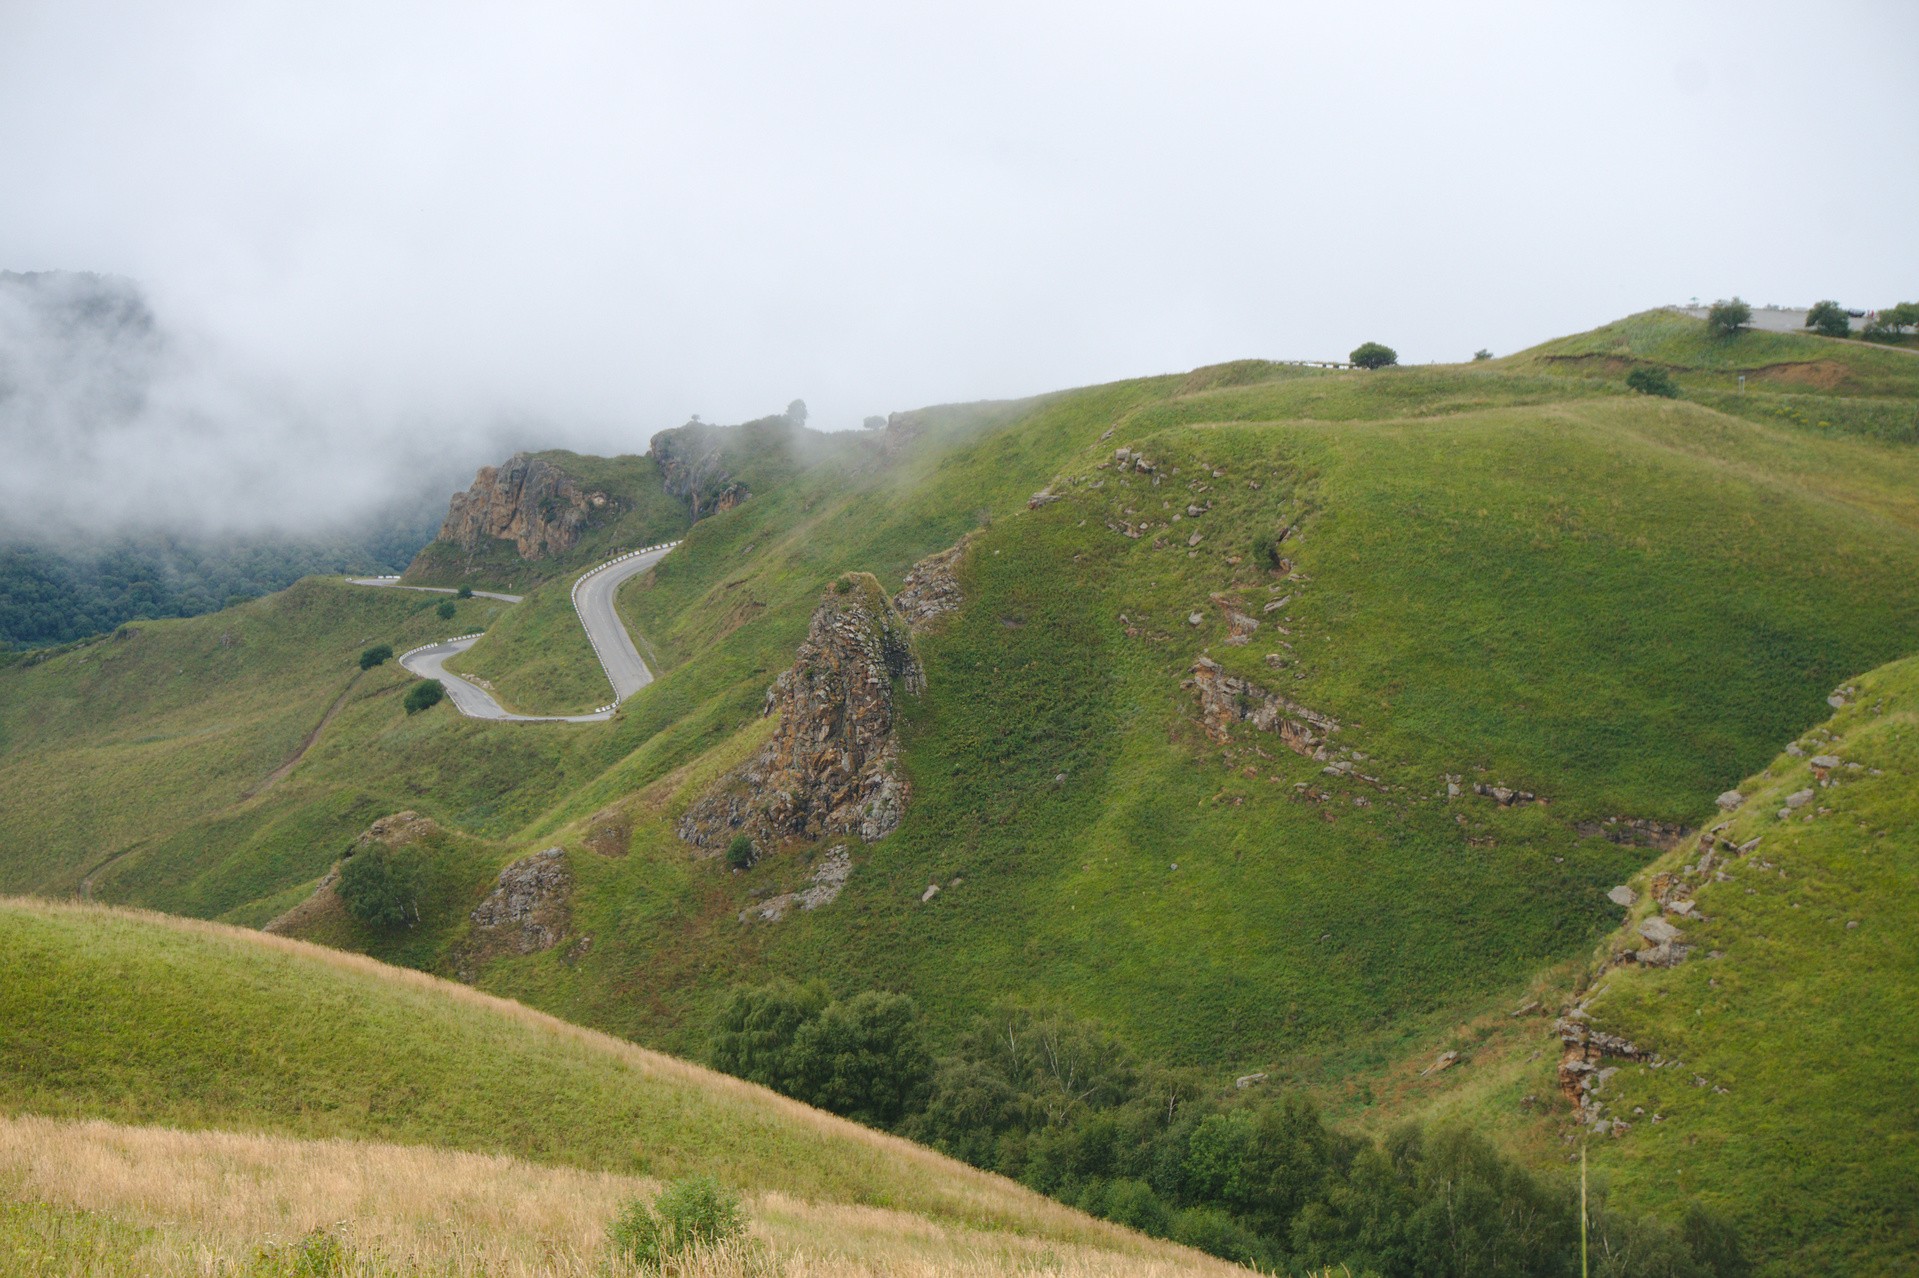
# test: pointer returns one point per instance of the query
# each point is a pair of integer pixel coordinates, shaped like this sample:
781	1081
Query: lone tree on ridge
1727	318
1374	355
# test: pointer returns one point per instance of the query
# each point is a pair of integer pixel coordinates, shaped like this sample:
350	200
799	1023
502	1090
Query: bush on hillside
1481	353
1374	355
1828	319
1726	318
379	654
424	695
1652	381
739	853
874	423
378	888
446	610
691	1213
864	1058
464	592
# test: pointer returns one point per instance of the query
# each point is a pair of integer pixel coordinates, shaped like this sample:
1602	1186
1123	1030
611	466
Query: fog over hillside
378	241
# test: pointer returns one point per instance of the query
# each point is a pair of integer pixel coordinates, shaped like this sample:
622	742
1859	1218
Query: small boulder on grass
687	1215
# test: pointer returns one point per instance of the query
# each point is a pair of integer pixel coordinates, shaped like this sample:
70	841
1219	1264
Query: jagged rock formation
528	501
693	465
1228	699
931	589
526	912
832	767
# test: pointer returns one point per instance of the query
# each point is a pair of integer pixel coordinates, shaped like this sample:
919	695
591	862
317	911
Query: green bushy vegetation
51	594
425	694
1063	1106
377	655
687	1215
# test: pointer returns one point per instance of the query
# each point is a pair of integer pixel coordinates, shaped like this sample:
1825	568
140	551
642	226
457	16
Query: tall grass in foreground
98	1198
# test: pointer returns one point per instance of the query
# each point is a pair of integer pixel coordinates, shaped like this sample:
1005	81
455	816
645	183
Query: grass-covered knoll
1791	1053
639	512
144	1020
1795	378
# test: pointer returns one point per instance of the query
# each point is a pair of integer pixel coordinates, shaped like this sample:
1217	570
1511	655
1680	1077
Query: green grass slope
1513	573
140	1019
1790	1054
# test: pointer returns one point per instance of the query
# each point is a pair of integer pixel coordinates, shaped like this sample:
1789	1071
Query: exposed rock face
823	887
1227	699
932	589
832	767
526	911
1637	832
692	465
529	502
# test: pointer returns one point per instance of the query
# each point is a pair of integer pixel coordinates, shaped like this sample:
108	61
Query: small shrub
379	654
739	853
1481	353
464	592
424	695
446	610
1828	319
689	1213
377	889
318	1255
843	586
1726	318
1370	355
1652	381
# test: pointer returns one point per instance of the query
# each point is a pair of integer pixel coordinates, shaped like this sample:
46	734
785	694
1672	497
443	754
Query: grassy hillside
1786	1051
1509	574
144	1020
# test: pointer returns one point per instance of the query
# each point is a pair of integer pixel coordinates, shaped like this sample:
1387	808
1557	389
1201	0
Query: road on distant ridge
593	598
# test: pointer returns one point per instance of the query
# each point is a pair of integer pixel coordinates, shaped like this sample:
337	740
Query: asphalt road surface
593	596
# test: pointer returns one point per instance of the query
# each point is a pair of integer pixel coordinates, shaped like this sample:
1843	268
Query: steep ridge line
593	595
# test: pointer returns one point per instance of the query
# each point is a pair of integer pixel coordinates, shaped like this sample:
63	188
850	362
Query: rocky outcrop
1228	699
692	461
832	766
528	501
823	887
526	912
931	588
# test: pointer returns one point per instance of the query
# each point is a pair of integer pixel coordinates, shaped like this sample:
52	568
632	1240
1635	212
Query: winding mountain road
593	596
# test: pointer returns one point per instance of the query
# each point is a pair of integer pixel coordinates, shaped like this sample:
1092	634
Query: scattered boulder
1622	895
1731	800
1799	798
1245	1081
932	890
1445	1060
832	766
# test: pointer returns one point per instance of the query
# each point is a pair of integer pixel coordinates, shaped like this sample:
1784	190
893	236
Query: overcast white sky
590	220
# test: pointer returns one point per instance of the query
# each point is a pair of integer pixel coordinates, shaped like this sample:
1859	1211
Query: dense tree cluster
56	594
1060	1104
